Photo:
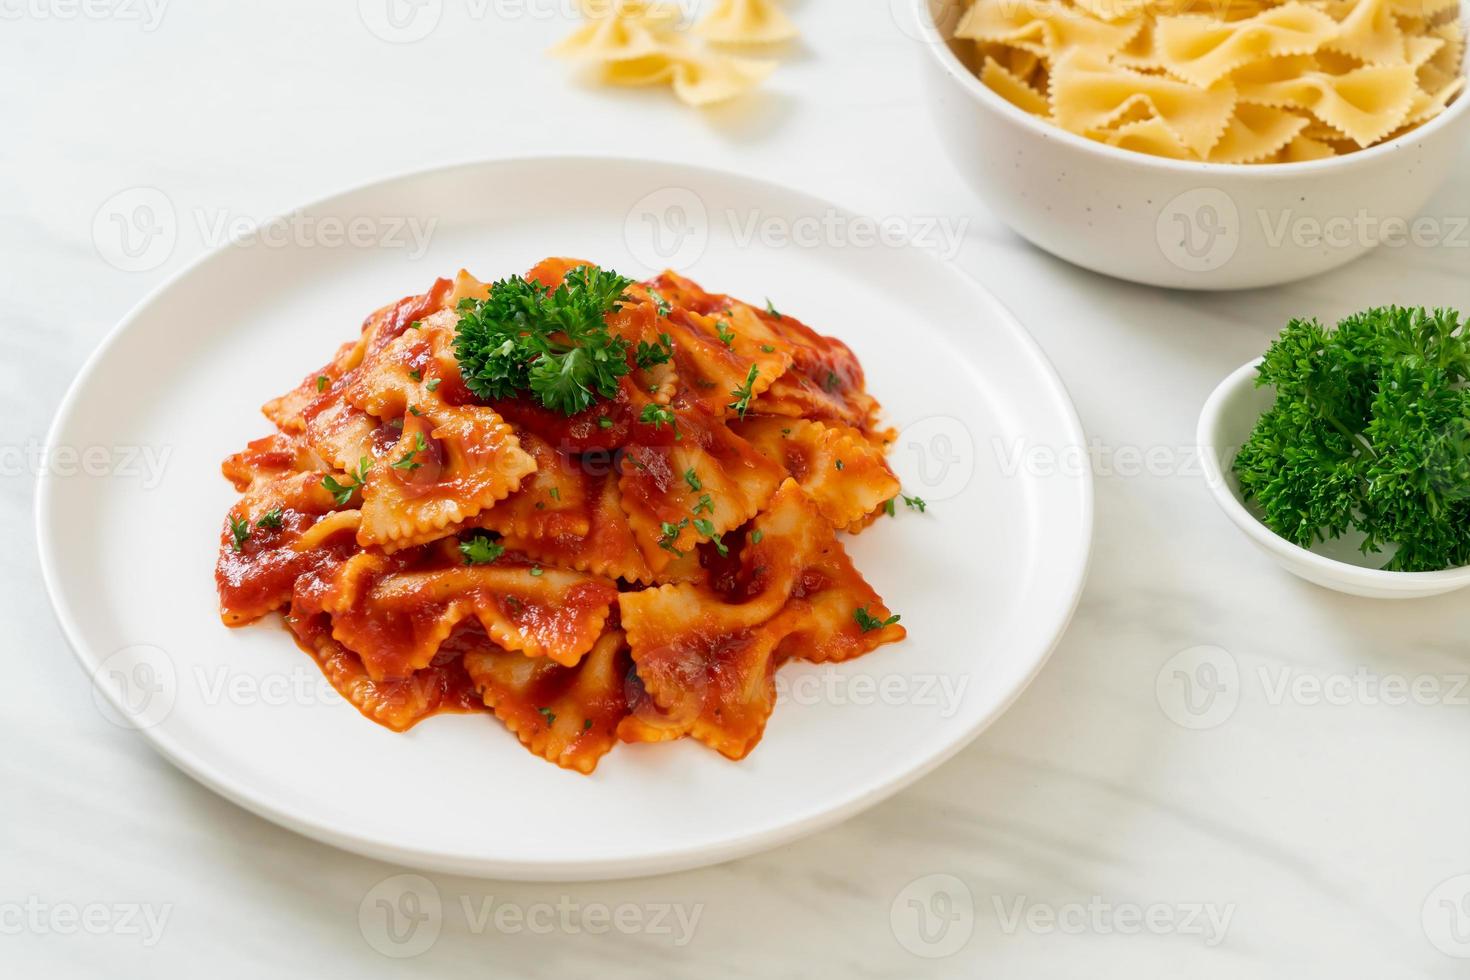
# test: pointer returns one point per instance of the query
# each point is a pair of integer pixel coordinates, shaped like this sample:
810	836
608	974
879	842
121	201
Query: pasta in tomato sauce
610	524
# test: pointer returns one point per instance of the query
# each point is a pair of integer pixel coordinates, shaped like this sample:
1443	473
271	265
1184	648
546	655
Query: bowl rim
957	70
1357	575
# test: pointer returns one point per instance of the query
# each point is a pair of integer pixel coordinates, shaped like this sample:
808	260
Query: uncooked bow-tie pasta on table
599	509
1223	81
645	42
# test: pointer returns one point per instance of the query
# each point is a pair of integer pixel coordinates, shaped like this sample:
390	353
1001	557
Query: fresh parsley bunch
551	343
1370	431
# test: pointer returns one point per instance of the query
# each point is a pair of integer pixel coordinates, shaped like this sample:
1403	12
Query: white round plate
985	580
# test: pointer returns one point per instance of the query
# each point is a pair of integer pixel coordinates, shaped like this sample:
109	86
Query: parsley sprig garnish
745	392
342	492
912	503
272	520
1370	432
552	343
240	531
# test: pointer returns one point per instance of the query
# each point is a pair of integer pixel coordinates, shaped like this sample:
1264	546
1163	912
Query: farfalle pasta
642	42
610	524
1230	81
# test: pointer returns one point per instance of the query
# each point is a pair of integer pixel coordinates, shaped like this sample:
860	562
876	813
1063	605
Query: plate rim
638	864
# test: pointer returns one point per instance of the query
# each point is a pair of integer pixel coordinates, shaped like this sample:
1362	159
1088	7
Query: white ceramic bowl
1177	224
1224	425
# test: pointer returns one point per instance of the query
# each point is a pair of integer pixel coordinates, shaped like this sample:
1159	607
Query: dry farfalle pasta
1223	81
641	42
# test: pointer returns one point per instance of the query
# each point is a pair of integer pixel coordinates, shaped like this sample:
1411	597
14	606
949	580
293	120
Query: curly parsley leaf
1369	433
552	343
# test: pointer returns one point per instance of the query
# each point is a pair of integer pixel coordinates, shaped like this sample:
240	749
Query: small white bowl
1225	424
1172	223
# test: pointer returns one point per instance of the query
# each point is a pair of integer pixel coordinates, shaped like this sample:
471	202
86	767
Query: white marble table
1315	831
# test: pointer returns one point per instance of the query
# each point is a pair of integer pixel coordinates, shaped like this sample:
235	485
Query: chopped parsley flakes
869	622
480	550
